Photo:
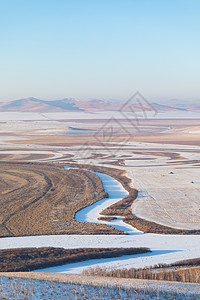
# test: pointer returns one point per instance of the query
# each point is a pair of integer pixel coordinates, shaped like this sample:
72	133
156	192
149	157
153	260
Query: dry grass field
191	275
69	287
28	259
43	198
40	199
182	271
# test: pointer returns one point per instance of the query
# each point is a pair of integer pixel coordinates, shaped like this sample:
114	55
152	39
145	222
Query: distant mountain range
69	104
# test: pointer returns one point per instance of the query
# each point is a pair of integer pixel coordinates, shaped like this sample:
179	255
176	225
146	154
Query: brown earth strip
28	259
107	218
171	155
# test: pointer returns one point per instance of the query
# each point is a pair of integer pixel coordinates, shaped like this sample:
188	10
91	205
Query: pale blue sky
99	49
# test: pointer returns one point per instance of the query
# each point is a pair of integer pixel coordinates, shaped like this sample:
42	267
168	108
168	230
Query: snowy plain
165	248
149	173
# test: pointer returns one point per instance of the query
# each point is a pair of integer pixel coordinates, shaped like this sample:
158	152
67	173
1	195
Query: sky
108	49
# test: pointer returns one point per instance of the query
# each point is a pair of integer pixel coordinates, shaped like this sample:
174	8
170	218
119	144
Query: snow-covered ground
97	115
166	176
59	286
165	248
169	199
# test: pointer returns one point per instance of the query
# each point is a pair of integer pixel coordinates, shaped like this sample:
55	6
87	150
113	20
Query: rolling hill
70	104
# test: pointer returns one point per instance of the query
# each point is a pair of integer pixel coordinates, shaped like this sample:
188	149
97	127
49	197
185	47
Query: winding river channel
165	248
116	192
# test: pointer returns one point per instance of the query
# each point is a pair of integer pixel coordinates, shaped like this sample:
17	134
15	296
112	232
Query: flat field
160	156
158	160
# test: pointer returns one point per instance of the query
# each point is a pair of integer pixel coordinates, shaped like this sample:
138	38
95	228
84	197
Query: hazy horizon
161	101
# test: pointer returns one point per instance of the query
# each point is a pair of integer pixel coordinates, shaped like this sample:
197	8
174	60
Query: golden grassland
191	275
38	198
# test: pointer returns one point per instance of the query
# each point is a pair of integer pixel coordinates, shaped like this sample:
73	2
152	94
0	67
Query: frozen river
116	192
165	248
